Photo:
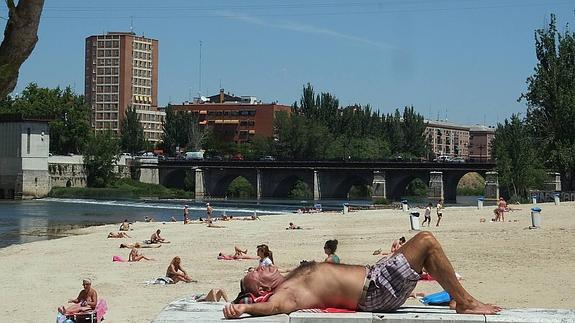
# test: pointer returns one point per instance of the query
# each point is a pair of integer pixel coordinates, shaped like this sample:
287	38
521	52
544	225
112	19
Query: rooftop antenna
200	82
131	24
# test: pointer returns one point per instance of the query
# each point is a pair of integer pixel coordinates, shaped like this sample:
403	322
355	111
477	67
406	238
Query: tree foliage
181	129
518	166
100	157
132	137
20	38
70	116
550	99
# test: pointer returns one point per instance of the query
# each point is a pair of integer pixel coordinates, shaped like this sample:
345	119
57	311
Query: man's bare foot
477	307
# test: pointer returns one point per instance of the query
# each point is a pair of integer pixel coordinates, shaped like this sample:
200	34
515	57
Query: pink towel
117	259
101	309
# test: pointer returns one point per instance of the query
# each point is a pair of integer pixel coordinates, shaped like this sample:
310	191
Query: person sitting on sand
176	272
383	287
136	256
156	238
395	245
214	295
118	235
266	256
293	227
138	245
125	226
86	300
148	219
329	248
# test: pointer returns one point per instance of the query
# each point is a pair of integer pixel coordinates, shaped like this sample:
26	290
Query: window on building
28	141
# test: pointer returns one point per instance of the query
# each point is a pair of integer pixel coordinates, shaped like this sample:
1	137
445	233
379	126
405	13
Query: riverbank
505	263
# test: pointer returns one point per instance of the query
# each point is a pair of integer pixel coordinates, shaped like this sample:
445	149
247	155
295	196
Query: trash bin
480	203
556	199
404	205
345	208
414	220
535	217
534	199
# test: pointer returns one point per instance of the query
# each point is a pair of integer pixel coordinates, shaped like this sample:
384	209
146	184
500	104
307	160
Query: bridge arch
343	188
397	183
221	186
284	187
174	178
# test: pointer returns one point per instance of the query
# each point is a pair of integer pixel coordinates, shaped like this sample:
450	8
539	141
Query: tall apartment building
121	70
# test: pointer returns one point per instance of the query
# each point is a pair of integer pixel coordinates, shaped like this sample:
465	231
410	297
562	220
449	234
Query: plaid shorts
388	284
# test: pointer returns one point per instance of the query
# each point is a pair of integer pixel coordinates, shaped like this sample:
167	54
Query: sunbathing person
176	272
156	238
214	295
212	225
293	227
383	287
138	245
118	235
239	254
148	219
136	256
86	300
395	245
125	226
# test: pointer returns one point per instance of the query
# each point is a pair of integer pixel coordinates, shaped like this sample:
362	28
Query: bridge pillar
378	185
491	186
553	182
316	188
149	172
199	189
435	190
259	184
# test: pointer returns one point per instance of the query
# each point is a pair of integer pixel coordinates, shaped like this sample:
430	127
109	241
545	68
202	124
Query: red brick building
237	119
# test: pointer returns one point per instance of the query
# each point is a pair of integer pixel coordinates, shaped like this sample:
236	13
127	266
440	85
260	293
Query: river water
28	221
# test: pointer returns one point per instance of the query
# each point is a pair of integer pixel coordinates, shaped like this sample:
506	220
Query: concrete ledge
188	310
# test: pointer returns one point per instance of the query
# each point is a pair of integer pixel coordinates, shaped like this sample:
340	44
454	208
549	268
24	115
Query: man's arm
275	305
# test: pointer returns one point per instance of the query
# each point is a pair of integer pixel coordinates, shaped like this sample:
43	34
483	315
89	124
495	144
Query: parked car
268	158
458	160
442	159
237	157
214	157
195	155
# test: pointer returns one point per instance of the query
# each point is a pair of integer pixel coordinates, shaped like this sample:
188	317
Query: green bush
359	191
300	190
471	191
417	188
240	188
120	189
381	201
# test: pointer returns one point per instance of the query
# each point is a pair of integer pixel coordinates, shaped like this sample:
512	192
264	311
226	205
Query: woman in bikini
136	256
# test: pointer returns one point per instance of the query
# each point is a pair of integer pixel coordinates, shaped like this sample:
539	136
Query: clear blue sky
464	59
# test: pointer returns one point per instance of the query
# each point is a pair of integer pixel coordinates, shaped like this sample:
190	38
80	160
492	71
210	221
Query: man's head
207	204
262	280
158	231
185	206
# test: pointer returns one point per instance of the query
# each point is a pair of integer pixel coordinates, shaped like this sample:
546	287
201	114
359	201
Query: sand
503	263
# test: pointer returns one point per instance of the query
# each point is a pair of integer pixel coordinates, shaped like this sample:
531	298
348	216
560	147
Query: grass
127	189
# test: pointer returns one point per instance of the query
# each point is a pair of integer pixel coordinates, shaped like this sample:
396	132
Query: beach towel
326	310
442	298
101	309
160	281
118	259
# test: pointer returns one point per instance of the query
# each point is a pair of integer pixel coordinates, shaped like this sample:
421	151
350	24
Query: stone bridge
329	179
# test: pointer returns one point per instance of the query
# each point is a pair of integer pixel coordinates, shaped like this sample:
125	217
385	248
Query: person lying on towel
383	287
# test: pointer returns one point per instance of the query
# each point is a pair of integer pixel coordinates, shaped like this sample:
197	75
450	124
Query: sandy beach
503	263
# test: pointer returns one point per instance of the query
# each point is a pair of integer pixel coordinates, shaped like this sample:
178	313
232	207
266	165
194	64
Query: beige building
24	144
456	140
480	138
121	70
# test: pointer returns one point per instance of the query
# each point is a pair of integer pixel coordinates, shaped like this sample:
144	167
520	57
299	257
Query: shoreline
497	260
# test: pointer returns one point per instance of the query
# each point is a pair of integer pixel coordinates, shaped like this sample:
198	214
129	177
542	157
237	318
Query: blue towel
441	298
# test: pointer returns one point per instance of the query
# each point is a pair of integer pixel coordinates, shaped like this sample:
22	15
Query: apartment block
121	70
456	140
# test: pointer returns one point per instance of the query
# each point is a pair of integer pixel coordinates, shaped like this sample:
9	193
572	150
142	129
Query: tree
132	139
20	38
550	100
518	166
100	157
69	113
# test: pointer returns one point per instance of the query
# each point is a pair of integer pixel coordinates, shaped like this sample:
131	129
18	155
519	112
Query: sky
464	61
